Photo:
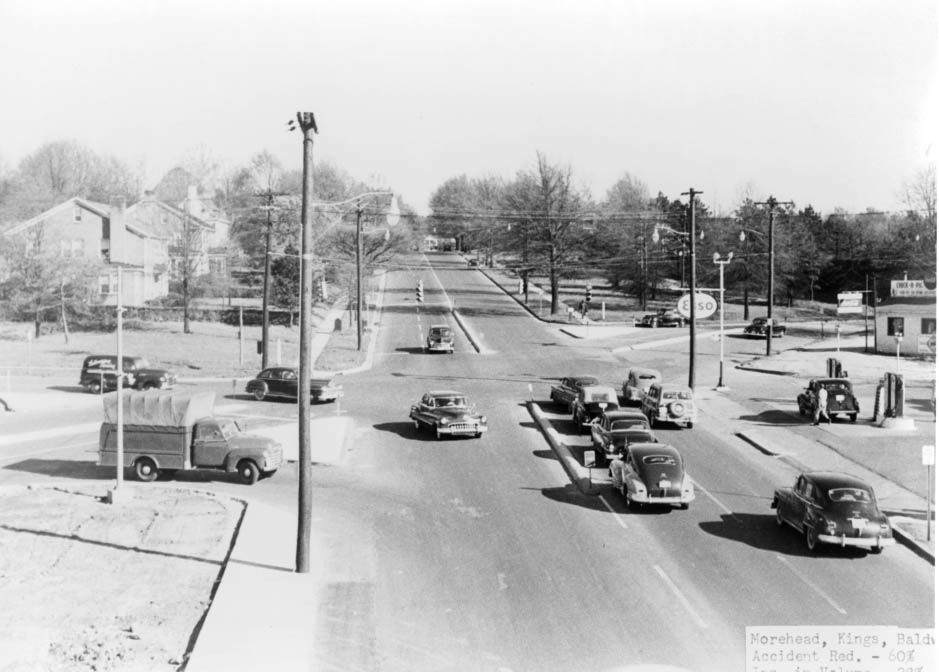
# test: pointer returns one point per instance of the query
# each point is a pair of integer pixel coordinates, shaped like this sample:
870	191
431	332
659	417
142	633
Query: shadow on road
761	531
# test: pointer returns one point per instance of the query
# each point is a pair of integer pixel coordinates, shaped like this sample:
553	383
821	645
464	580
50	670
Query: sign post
929	459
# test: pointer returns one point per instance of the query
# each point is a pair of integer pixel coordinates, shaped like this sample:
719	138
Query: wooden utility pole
770	202
305	500
691	193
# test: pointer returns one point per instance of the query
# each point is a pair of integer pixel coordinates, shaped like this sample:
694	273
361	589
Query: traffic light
420	291
588	293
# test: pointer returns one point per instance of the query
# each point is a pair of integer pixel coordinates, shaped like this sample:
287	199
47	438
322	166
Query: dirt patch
99	586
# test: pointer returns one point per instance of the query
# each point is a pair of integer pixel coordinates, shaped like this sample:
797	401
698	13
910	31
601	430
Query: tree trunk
64	316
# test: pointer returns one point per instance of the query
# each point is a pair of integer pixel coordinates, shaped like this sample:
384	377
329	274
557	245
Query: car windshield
861	495
647	377
626	424
659	459
599	396
439	332
228	428
446	402
676	394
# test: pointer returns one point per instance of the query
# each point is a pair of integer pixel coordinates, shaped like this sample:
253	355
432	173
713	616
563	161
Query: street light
717	260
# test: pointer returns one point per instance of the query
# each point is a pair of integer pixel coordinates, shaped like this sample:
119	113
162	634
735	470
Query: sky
828	103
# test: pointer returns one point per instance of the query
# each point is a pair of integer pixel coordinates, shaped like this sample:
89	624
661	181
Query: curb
567	460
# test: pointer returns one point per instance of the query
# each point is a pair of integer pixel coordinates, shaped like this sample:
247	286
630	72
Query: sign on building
910	288
850	302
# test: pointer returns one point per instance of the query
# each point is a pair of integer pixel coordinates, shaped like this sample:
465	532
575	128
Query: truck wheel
95	387
146	469
248	472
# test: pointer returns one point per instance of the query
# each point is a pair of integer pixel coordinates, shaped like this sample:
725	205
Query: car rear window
659	459
599	396
849	495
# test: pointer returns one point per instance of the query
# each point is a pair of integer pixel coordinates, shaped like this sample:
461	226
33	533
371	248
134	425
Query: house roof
101	209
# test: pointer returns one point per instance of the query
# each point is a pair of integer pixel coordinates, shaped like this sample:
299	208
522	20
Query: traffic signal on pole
588	293
420	291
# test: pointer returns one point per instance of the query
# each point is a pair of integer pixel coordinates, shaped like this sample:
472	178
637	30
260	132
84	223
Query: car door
567	391
209	447
801	502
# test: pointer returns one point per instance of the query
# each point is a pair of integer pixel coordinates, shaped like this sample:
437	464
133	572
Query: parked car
637	382
662	318
652	473
832	508
448	414
564	392
592	402
667	402
282	382
99	374
758	327
609	432
841	399
440	339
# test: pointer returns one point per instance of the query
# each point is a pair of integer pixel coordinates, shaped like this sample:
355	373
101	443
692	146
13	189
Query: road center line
681	597
618	517
811	585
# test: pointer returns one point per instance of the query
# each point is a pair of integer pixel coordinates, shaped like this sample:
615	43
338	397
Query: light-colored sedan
652	473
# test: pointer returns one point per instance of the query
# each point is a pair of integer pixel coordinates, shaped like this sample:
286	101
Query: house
83	228
912	319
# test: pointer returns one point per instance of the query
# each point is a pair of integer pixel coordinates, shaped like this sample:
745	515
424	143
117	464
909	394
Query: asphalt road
481	555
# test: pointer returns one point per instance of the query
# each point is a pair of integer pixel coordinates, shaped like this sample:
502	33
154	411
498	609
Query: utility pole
307	124
358	276
265	300
691	193
771	202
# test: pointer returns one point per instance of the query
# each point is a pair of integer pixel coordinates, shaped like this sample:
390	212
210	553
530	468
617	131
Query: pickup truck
168	432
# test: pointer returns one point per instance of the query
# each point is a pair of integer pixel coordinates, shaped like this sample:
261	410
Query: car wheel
684	506
811	538
417	425
853	417
478	435
260	393
801	409
690	425
146	469
439	435
779	516
876	550
248	472
95	387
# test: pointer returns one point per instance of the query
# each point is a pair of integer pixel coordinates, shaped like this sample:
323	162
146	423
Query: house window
928	326
894	326
77	214
105	285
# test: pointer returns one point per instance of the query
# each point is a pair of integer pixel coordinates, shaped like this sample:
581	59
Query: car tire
683	506
853	417
260	393
811	538
779	517
478	435
146	470
801	409
876	550
248	472
690	425
417	425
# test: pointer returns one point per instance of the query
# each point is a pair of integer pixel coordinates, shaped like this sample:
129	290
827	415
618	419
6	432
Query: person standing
821	405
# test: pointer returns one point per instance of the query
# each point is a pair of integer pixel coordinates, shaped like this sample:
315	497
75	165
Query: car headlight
444	421
482	420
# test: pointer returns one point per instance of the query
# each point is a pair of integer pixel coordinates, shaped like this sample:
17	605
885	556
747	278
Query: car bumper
860	542
461	429
654	499
440	347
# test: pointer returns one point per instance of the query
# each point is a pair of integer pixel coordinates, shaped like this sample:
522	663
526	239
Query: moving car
440	339
652	473
609	432
592	402
99	374
637	381
448	414
667	402
758	327
564	392
841	399
662	318
832	508
281	382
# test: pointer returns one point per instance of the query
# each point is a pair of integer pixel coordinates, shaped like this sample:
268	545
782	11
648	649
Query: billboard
851	302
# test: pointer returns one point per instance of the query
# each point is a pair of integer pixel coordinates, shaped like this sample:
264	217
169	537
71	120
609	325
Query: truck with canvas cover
166	432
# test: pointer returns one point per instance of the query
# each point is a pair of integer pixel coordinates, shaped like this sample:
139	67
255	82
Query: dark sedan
565	391
758	327
447	413
610	432
652	473
831	508
663	318
281	382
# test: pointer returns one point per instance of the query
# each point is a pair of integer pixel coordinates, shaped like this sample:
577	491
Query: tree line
542	224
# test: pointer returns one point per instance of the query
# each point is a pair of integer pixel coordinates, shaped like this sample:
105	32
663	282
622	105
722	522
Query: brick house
83	228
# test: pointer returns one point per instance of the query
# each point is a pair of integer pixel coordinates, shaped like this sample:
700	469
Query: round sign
705	305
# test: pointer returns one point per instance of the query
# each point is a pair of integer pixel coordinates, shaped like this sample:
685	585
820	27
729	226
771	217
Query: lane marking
715	500
811	585
681	597
617	516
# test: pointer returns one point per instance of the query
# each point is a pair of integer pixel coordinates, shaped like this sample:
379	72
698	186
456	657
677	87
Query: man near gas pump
821	404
